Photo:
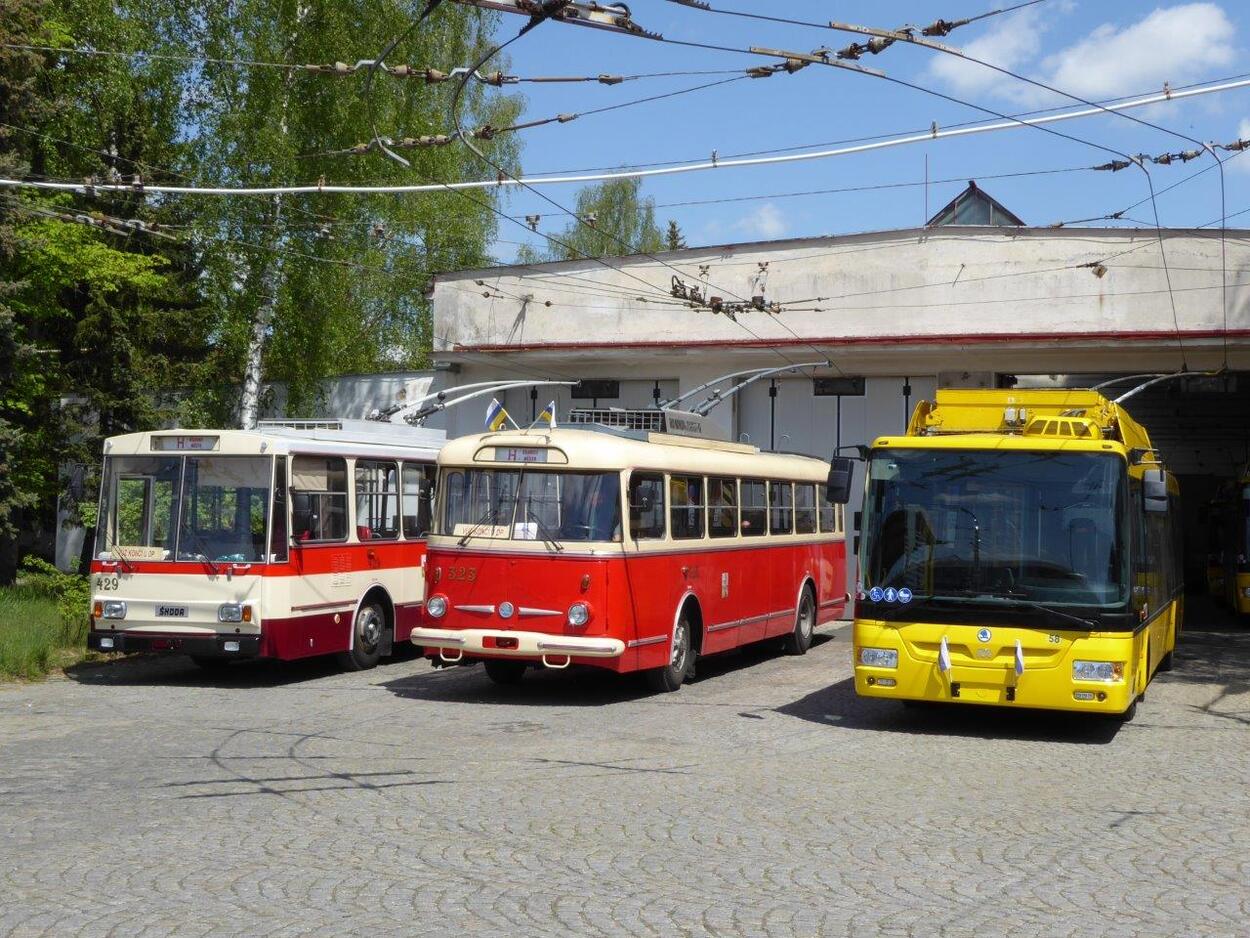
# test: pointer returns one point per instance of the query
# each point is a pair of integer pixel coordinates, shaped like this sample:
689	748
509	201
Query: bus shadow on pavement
179	671
838	706
571	687
1214	650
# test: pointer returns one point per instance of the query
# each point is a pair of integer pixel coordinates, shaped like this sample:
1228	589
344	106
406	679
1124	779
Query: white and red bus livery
295	539
625	549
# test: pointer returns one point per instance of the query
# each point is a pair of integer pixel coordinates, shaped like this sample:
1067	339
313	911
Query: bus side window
418	499
319	498
722	507
804	508
686	499
828	513
754	508
278	535
646	506
781	500
377	500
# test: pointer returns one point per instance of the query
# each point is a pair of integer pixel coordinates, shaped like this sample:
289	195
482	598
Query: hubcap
806	616
678	656
369	627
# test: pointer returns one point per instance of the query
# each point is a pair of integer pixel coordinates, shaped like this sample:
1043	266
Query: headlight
579	614
1246	592
1106	671
436	606
879	657
114	609
230	612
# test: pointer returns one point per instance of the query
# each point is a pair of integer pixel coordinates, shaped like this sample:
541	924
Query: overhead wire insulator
1114	166
942	27
610	79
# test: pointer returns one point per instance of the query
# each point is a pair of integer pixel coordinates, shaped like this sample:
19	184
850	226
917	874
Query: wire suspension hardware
763	372
614	17
716	398
1159	379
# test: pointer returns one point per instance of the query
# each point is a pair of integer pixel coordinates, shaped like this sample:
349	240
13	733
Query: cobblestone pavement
143	798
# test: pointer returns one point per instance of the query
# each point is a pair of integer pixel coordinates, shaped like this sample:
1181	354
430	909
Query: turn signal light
247	613
97	610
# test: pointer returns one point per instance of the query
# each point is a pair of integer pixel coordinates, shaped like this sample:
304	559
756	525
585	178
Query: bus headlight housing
436	606
879	657
1107	672
114	609
579	615
230	612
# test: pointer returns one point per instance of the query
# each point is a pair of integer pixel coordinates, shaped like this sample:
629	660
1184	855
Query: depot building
872	323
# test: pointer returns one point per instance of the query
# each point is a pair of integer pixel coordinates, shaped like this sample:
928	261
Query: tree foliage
148	314
612	219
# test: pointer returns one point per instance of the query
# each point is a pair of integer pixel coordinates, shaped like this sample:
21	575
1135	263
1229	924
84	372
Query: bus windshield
185	508
967	525
528	504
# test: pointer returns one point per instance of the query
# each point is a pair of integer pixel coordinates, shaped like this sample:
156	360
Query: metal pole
772	414
906	402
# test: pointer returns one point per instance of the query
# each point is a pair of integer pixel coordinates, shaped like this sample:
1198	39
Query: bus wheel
1127	715
504	672
798	641
669	678
1165	663
366	639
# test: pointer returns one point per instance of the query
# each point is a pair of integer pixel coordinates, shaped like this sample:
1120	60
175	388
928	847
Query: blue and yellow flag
548	415
496	416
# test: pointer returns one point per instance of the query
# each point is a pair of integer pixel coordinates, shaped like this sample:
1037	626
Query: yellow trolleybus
1020	548
1233	515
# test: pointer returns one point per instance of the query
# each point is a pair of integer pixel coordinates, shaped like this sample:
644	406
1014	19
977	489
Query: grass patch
43	622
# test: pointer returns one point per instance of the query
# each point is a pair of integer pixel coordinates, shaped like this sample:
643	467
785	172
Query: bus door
754	571
652	580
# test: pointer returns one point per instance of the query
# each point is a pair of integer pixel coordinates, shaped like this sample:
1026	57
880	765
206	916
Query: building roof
974	206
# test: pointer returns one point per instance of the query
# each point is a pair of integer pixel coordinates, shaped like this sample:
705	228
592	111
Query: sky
1096	50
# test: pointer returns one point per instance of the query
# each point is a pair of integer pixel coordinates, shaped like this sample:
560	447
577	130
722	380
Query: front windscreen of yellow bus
950	533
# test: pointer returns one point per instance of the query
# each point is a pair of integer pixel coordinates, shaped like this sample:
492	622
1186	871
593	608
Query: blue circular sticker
876	594
891	595
984	635
904	595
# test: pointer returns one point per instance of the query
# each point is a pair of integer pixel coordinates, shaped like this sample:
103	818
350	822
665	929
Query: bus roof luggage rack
326	424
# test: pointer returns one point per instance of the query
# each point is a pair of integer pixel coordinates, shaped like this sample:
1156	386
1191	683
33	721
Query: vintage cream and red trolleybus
630	548
292	540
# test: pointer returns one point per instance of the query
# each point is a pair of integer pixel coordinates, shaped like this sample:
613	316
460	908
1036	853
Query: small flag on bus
496	416
549	415
944	657
1019	658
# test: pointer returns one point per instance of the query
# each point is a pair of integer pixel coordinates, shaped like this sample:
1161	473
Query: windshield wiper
540	525
1008	599
202	555
491	514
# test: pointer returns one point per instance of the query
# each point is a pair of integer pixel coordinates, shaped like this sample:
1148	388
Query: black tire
505	672
1127	715
367	631
1165	663
680	664
798	641
211	663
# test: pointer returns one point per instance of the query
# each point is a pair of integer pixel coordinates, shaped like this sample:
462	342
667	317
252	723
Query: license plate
171	612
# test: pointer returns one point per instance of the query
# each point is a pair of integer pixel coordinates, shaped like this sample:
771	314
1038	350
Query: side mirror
857	521
1155	491
841	472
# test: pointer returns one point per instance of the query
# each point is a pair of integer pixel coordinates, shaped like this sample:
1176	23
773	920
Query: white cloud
1241	164
1176	44
766	223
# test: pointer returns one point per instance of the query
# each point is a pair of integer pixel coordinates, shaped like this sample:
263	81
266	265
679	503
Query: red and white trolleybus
626	549
296	539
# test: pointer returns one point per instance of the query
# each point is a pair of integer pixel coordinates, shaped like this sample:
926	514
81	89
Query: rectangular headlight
114	609
879	657
230	612
1106	671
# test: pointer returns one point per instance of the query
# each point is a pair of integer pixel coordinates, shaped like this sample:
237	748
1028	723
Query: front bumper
208	646
515	644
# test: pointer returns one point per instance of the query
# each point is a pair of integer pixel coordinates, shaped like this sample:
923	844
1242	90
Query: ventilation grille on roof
649	420
302	424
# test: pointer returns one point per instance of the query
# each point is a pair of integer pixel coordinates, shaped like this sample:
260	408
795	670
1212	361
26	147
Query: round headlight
436	606
579	614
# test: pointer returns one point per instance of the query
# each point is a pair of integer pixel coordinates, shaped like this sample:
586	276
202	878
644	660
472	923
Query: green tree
674	240
19	21
322	285
614	219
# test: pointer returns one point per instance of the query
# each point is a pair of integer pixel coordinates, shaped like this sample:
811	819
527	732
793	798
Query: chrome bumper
528	644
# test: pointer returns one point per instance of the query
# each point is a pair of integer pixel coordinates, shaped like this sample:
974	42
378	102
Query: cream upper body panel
401	443
605	450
